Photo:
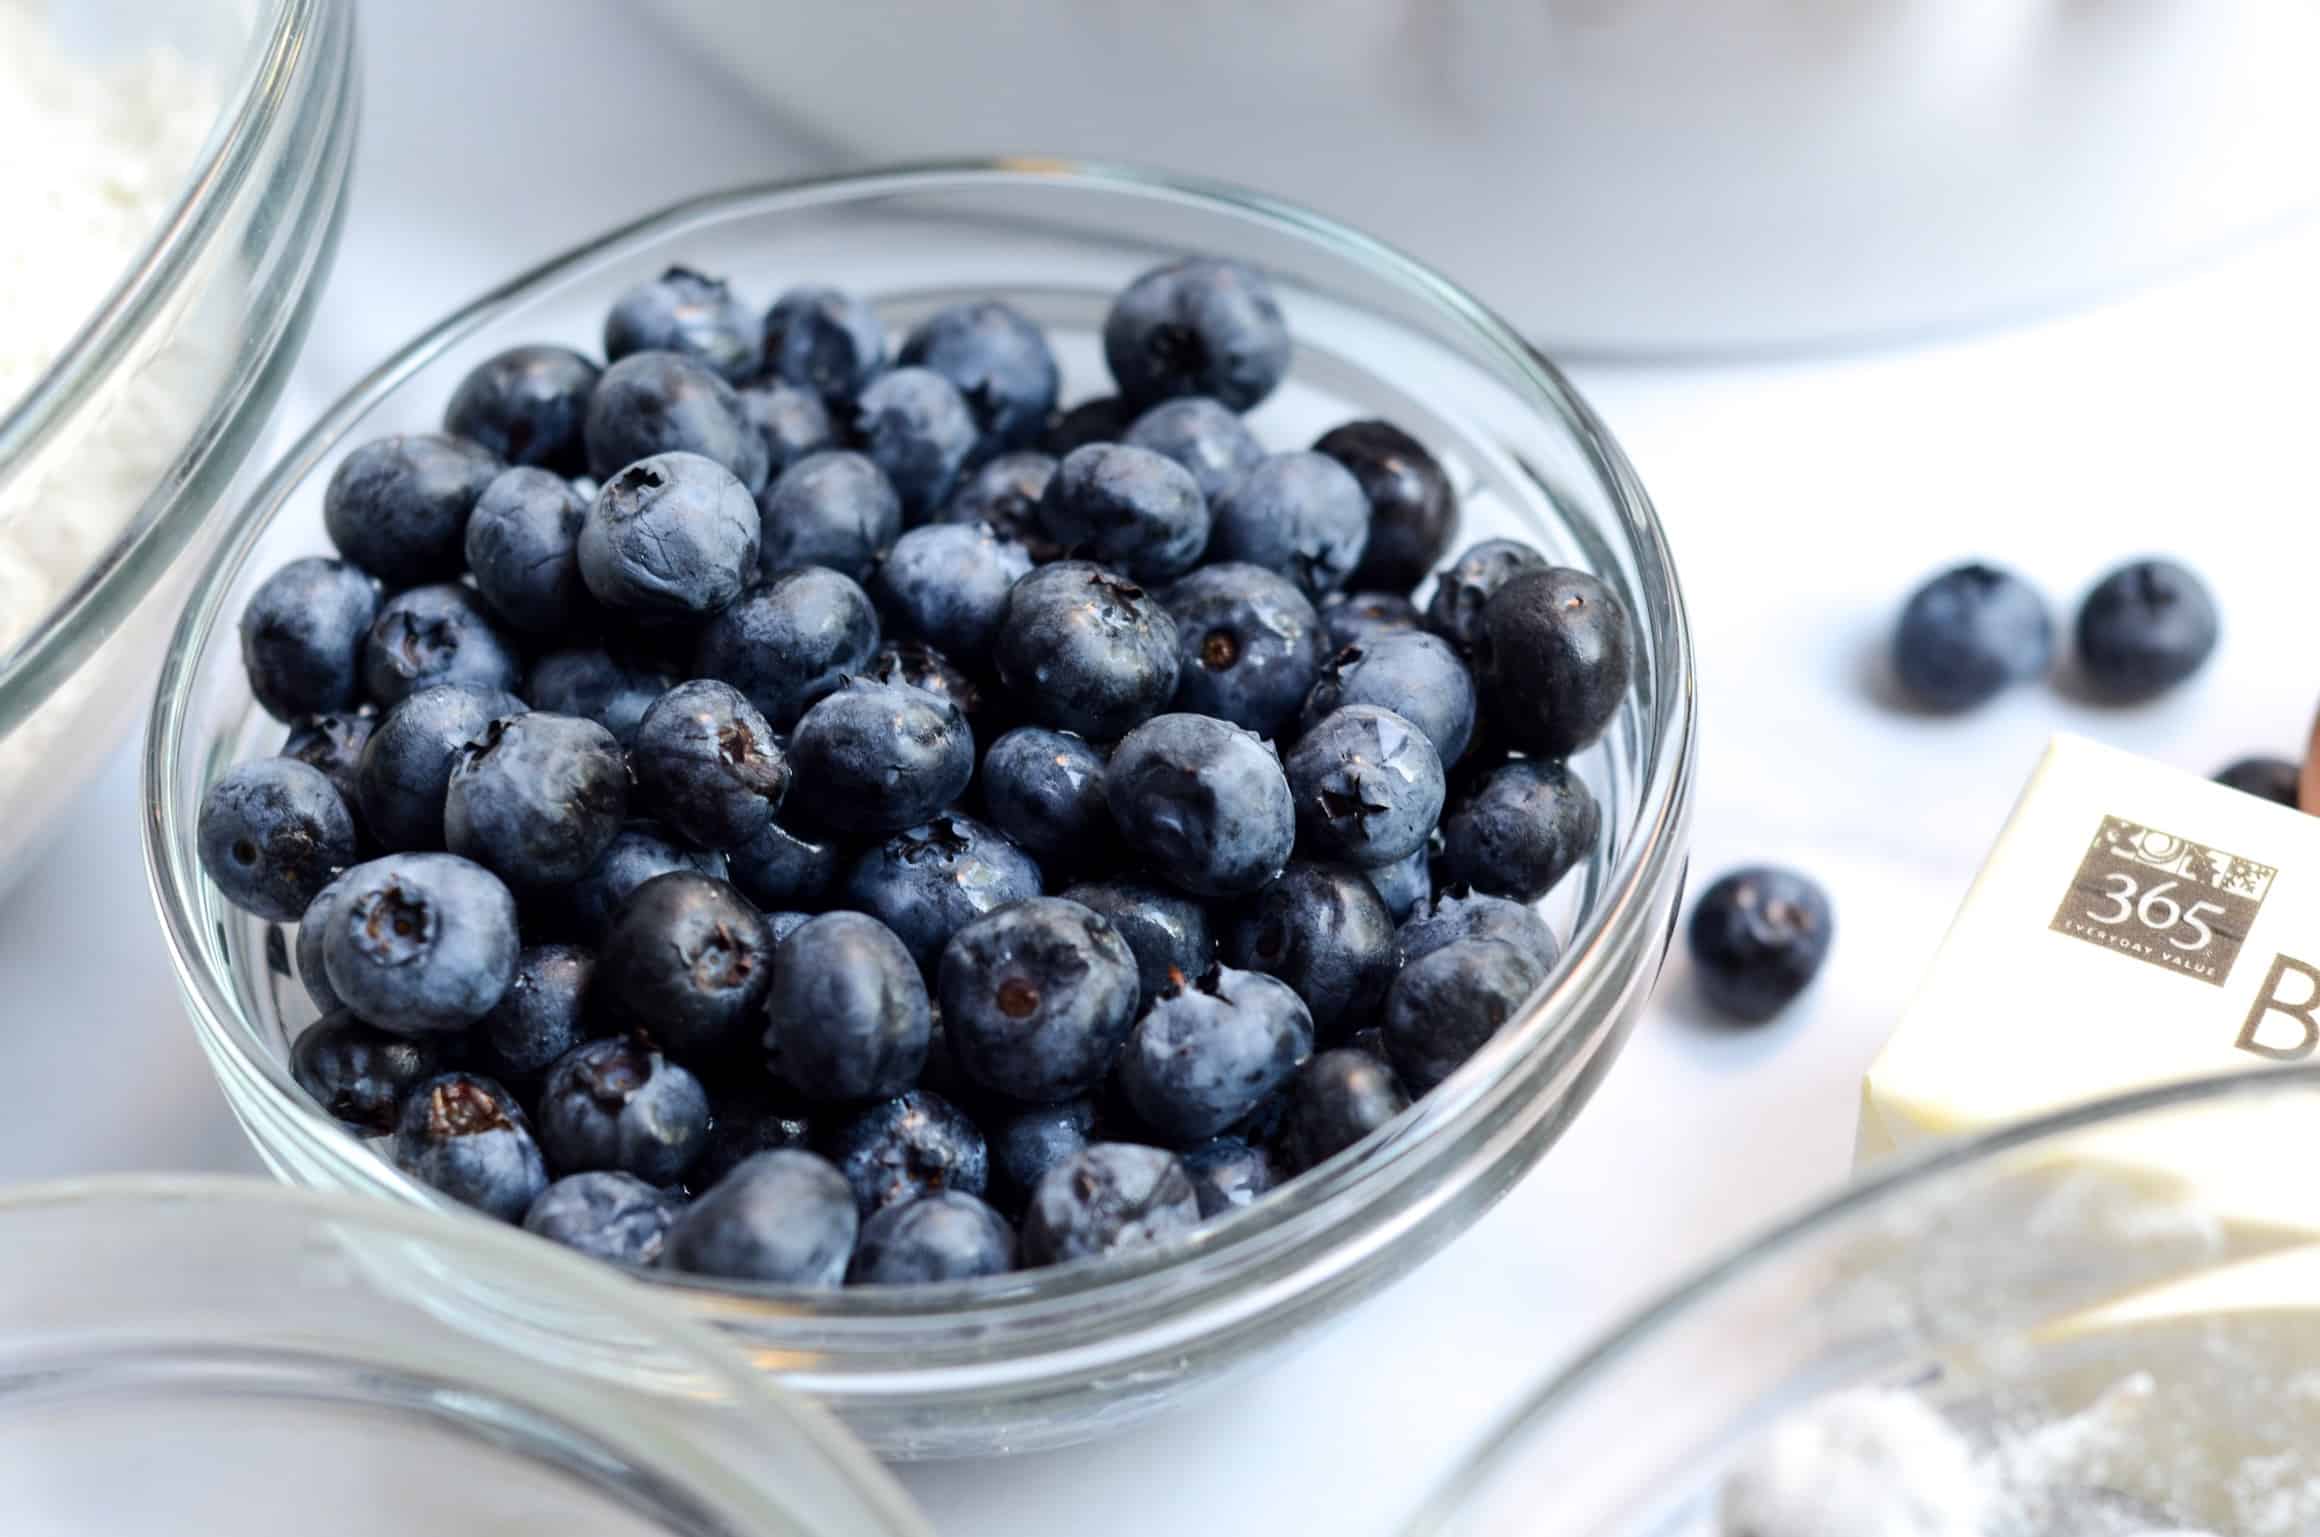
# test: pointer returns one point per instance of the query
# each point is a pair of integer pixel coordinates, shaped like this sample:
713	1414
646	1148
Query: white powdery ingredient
1873	1463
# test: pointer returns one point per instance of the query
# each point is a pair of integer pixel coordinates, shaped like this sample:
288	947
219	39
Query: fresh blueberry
302	636
1415	675
913	424
1025	1144
1465	589
1110	1197
824	340
467	1137
523	548
313	930
333	742
536	798
421	943
1086	650
1554	659
785	1216
1324	931
690	960
1005	494
636	854
746	1119
910	1146
2145	628
2271	779
606	1215
406	765
997	360
947	1236
1166	931
1521	830
1197	327
1248	643
1406	885
675	533
925	882
1203	436
1129	508
793	423
707	765
595	685
425	636
619	1104
397	507
654	403
1036	999
1104	419
1301	514
1335	1100
359	1075
947	584
1412	510
1357	618
1446	1005
833	509
1208	1053
1758	937
1463	914
273	832
683	311
1970	633
1368	787
847	1017
527	405
542	1015
1045	790
781	868
1227	1174
913	664
880	757
787	642
1204	801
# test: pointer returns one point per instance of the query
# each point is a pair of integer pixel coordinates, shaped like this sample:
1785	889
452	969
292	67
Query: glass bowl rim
1536	1034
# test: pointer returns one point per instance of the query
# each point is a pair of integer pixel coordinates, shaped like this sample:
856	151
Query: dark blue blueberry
1335	1100
1969	634
1357	618
927	881
912	423
673	534
1301	514
2271	779
1130	509
1415	675
1104	419
1554	659
787	642
636	854
1045	790
1227	1174
1167	931
1412	510
689	959
1111	1197
426	636
999	363
947	584
313	930
746	1119
1249	646
947	1236
910	1146
785	1216
421	943
595	685
880	757
1447	1004
523	548
302	636
1324	931
1036	999
793	423
1455	612
683	311
847	1017
406	765
912	664
1368	786
780	868
542	1015
654	403
1208	1053
1463	914
833	509
606	1215
1086	650
619	1104
536	798
1005	494
358	1075
467	1137
1204	801
527	405
706	764
1406	885
397	507
273	832
1025	1144
1197	327
2144	628
333	743
1758	937
824	340
1522	829
1203	436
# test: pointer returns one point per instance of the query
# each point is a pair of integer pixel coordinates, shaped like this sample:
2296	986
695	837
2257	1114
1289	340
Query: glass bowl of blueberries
1013	782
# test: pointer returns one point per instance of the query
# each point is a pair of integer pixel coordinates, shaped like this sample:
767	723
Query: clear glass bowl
1046	1356
2119	1306
224	1355
112	463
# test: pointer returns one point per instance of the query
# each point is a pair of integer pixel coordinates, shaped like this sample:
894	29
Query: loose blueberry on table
893	825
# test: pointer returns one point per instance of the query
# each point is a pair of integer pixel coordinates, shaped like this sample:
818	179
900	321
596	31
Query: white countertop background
1803	500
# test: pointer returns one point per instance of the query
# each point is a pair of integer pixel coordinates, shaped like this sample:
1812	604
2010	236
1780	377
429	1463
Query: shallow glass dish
2118	1307
112	463
1043	1357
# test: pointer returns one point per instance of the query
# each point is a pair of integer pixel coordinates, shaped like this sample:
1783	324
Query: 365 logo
2182	906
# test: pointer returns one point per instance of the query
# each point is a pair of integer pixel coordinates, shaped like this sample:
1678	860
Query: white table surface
1802	498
